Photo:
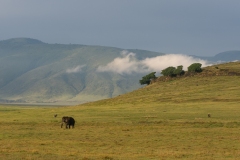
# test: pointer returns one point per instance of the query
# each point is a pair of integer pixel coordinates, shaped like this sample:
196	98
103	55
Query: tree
179	71
169	71
195	67
147	79
172	71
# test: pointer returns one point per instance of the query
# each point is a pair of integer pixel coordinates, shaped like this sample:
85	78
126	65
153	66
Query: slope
217	83
32	71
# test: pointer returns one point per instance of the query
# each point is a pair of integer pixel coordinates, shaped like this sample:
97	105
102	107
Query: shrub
179	71
195	67
172	71
169	71
147	79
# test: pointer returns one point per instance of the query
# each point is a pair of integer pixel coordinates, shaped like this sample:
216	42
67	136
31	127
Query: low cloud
75	69
128	64
161	62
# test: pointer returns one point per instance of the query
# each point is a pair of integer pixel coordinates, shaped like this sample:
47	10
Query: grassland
165	120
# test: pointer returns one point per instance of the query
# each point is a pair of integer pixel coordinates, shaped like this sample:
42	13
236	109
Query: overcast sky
192	27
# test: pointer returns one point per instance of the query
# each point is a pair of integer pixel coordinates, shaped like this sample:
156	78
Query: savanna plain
164	120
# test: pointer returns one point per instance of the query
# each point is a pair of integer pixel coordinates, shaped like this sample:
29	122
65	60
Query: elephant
69	121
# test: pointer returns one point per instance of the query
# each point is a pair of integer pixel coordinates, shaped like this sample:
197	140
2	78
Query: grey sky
193	27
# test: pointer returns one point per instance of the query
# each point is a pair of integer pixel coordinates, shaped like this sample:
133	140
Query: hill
217	83
185	118
227	56
222	57
32	71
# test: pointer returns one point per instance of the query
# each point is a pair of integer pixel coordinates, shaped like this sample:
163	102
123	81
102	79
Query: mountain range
32	71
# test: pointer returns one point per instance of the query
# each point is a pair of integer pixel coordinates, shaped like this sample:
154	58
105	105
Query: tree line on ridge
171	72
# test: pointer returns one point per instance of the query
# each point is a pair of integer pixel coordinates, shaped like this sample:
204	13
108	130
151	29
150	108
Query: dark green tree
169	71
179	71
147	79
195	67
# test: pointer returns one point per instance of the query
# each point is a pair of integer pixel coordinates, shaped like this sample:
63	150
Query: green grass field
165	120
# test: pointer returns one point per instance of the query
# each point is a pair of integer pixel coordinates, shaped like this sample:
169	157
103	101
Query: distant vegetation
195	67
171	72
147	79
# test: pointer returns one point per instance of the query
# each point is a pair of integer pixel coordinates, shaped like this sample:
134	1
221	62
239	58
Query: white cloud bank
75	69
127	63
